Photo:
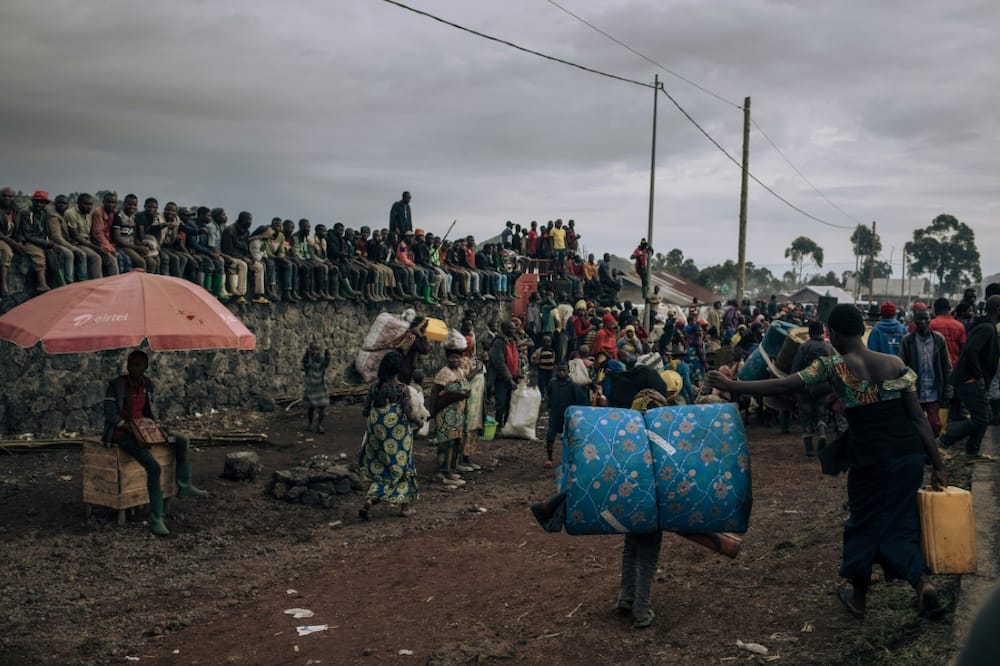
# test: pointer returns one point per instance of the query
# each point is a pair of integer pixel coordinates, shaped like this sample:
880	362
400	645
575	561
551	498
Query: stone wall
45	394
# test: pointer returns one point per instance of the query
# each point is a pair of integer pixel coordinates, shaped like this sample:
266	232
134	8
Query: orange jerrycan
947	530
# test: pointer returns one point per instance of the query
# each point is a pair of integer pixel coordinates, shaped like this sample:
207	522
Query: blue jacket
886	336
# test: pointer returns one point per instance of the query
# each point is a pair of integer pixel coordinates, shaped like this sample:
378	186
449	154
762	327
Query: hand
939	479
717	380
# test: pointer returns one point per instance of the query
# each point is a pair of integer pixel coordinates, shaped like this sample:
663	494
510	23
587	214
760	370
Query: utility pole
652	187
903	285
741	266
871	267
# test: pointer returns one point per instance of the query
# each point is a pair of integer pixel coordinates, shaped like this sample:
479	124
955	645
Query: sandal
406	511
846	595
642	623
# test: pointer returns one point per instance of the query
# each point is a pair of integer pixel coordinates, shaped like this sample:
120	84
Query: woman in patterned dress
386	457
448	400
885	450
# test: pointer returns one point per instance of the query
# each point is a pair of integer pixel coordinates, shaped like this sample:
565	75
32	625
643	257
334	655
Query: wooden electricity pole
871	267
741	266
648	315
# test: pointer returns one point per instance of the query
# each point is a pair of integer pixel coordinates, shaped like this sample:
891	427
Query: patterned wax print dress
386	458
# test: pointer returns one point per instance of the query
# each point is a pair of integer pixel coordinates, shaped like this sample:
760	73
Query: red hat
40	195
418	232
609	319
888	309
919	306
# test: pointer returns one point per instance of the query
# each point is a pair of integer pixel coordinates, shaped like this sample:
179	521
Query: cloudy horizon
330	110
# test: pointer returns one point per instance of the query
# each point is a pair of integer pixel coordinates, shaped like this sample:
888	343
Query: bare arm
787	384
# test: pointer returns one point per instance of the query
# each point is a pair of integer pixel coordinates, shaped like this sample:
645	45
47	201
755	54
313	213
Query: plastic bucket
489	429
756	367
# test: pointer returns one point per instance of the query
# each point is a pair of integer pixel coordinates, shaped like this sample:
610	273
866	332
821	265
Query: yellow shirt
558	235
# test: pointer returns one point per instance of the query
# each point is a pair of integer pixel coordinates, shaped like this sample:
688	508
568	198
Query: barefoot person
885	450
129	398
386	457
315	395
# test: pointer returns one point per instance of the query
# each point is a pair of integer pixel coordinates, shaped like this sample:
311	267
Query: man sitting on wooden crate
129	399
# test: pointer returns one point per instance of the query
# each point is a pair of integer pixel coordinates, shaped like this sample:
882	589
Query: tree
865	244
674	260
801	248
828	280
947	249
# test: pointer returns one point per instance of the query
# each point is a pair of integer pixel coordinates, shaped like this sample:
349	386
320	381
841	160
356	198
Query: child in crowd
451	389
544	360
315	395
562	393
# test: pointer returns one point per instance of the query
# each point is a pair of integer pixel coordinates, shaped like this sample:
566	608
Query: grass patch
894	635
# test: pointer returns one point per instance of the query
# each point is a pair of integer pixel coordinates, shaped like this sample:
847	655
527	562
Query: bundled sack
682	469
525	401
455	341
385	330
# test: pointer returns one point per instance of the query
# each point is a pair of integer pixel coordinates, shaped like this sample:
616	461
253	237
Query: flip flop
644	622
846	595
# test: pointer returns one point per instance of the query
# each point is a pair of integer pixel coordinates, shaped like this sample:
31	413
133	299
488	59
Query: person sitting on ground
132	397
885	450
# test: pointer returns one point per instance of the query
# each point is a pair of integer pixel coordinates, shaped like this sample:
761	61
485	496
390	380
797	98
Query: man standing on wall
400	220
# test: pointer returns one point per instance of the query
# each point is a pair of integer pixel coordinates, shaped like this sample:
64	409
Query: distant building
811	294
893	289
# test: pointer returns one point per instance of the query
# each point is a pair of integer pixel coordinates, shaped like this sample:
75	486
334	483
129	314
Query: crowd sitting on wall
67	241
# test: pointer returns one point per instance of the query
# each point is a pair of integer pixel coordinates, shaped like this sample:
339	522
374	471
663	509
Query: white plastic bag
386	329
578	373
525	402
455	340
420	409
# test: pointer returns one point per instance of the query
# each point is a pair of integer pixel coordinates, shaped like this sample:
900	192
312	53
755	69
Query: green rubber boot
156	524
184	486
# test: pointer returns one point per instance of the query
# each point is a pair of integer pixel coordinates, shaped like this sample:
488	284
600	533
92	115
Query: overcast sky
329	110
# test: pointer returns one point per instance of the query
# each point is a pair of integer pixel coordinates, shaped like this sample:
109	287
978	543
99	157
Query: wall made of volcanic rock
48	394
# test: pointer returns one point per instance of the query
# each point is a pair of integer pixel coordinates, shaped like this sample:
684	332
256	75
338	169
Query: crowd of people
67	241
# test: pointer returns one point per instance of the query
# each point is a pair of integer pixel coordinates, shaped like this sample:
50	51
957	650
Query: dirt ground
452	584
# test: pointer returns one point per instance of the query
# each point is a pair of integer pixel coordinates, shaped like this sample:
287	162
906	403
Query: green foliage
801	248
830	279
862	241
946	249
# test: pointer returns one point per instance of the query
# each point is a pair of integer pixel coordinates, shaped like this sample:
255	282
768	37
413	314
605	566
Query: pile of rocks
315	483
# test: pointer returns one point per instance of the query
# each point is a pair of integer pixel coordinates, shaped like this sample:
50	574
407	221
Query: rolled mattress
681	469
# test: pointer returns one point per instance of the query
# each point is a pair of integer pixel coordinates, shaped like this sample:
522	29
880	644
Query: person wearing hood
887	334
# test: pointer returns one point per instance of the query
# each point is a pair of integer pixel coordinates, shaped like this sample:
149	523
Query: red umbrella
122	311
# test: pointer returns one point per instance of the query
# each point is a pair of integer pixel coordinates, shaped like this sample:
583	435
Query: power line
720	98
645	57
519	48
749	174
626	80
802	175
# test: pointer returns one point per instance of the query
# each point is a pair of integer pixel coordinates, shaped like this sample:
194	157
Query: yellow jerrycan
947	530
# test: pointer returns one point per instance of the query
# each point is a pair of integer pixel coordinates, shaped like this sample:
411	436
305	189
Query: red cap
418	232
609	318
919	306
888	309
40	195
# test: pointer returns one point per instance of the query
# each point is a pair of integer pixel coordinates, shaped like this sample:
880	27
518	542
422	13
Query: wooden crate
116	480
